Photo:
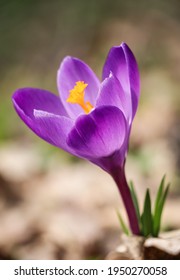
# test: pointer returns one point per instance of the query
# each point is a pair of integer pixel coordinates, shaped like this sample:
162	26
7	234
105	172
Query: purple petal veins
99	133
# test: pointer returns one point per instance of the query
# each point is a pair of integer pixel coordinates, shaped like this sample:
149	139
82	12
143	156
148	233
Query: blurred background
55	206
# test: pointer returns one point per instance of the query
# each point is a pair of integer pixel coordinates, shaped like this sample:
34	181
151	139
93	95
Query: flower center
77	96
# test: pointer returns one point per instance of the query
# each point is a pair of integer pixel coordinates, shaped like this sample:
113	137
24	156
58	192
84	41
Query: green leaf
158	212
146	217
135	201
122	223
159	194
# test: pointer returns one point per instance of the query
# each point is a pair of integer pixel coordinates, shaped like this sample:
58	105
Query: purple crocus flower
91	119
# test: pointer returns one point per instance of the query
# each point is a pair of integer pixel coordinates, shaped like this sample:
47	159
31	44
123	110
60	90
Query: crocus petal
72	70
122	63
112	93
52	128
30	99
98	134
48	125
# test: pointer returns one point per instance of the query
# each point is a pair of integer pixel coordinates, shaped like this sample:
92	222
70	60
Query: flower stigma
77	96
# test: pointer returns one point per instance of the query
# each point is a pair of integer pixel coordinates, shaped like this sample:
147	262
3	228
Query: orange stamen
77	96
